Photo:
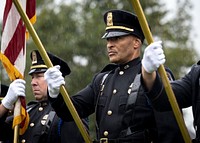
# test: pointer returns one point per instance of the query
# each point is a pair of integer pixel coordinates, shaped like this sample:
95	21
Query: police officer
123	111
186	89
44	126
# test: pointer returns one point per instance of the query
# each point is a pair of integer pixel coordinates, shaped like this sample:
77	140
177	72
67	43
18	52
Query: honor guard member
44	126
123	111
186	89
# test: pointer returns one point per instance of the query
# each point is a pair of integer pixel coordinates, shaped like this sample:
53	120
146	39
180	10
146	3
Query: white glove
16	89
54	80
153	57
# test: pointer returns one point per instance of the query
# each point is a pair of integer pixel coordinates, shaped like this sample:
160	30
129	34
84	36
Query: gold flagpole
47	61
139	12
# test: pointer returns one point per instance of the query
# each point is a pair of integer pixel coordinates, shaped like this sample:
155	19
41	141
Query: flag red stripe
16	44
30	8
6	11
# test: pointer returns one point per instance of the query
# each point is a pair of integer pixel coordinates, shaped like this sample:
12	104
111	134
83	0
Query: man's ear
137	43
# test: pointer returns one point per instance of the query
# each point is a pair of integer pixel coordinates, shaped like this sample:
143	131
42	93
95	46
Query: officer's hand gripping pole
145	28
47	61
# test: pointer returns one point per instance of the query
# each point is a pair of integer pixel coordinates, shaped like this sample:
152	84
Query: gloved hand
153	57
54	80
16	89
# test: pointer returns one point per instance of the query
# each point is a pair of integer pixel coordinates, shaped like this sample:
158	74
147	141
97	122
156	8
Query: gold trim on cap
119	27
38	66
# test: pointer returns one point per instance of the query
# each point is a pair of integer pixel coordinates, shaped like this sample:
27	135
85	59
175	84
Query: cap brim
40	70
112	34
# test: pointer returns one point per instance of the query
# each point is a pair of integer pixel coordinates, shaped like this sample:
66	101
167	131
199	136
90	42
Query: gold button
109	112
105	133
32	124
121	72
41	108
114	91
23	141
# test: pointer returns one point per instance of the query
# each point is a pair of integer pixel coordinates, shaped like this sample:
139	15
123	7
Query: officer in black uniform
44	126
186	89
123	112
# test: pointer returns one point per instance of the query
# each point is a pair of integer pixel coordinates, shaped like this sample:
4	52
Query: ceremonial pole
145	28
17	111
47	61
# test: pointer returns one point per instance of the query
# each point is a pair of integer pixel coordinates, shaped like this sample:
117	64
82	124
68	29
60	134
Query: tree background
73	32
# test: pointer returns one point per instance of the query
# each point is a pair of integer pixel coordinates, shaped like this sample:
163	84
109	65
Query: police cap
121	23
38	65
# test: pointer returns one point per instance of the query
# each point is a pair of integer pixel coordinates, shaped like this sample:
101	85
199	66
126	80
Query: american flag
13	49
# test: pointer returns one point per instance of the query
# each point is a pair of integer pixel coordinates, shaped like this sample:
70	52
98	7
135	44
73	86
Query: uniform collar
44	103
130	64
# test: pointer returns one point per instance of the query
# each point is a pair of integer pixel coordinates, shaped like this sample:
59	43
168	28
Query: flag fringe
11	70
22	118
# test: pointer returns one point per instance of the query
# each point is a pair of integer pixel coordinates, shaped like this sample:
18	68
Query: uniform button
121	72
109	112
41	108
23	141
105	133
32	124
114	91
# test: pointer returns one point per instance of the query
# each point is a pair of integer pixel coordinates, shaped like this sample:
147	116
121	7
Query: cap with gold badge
38	65
121	23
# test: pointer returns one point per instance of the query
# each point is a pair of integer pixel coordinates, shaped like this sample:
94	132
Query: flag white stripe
10	26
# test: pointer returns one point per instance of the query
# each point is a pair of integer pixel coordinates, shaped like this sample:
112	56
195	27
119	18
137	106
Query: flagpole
17	111
139	12
47	61
16	134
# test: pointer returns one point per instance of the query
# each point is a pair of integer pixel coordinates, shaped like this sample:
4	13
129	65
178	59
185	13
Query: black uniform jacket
187	93
44	126
37	131
109	101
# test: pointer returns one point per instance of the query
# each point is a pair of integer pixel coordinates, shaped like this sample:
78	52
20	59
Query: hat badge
109	19
34	57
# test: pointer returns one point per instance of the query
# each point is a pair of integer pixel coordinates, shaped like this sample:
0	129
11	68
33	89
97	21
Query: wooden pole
143	22
47	61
